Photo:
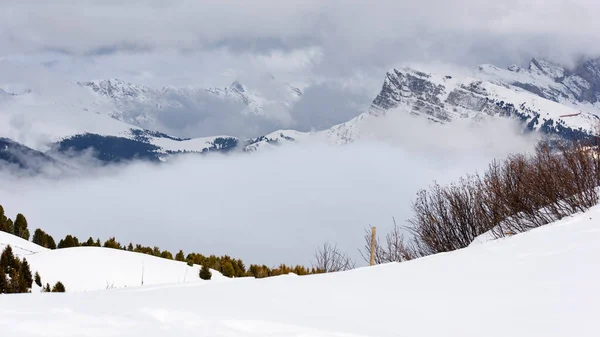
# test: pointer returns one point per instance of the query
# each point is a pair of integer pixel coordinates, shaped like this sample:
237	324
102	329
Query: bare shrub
514	195
394	249
329	259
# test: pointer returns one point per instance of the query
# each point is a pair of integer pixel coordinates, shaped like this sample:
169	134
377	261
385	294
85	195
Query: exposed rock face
500	92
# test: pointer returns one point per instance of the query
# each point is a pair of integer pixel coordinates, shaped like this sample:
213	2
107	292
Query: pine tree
89	242
228	270
166	255
13	285
39	238
3	282
112	243
22	283
68	242
25	271
3	220
180	256
8	261
38	279
20	227
50	244
130	247
47	288
7	226
205	273
58	288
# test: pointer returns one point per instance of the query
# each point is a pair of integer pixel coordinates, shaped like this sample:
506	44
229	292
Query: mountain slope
143	106
76	121
15	155
546	97
540	283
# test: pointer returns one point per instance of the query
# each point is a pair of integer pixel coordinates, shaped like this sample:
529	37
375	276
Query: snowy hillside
43	119
20	247
96	268
540	283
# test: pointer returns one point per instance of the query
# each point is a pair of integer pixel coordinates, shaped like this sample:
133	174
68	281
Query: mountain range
114	118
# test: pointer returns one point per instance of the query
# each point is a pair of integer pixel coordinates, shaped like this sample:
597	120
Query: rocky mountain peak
237	86
115	88
550	69
408	86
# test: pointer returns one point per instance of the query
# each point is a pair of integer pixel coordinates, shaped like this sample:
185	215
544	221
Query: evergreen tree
20	227
228	270
50	244
14	284
58	288
112	243
39	238
130	247
7	226
22	283
3	221
89	242
166	255
25	271
7	260
180	256
3	282
205	273
68	242
47	288
38	279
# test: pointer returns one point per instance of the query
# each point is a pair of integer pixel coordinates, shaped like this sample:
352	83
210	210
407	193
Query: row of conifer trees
226	265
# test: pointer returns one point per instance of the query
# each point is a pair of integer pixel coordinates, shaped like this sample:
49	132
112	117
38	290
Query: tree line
226	265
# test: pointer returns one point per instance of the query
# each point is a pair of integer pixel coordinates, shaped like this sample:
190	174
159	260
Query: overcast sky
325	38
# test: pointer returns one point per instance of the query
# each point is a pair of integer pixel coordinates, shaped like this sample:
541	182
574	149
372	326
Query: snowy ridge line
21	248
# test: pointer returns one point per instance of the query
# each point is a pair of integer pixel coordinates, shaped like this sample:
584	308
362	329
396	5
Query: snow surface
544	282
98	268
20	247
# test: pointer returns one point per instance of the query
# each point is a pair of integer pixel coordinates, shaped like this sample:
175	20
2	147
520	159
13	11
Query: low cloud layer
267	207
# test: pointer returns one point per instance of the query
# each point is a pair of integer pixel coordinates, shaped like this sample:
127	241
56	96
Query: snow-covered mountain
25	159
141	105
545	97
106	115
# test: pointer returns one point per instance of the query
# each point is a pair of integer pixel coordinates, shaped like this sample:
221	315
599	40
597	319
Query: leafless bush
329	259
394	249
514	195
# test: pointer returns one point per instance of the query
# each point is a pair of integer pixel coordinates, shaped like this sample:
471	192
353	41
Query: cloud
350	32
267	207
326	104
